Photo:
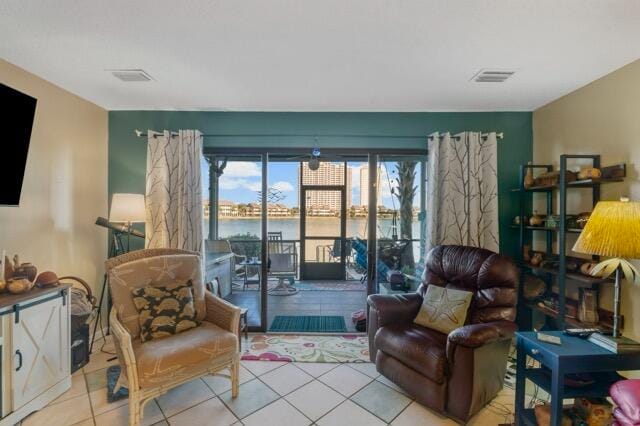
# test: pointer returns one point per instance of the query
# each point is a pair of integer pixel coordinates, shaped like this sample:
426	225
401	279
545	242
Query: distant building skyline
326	174
241	182
364	185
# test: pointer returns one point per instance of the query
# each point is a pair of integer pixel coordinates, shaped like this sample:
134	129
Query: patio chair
152	368
278	245
275	241
224	246
284	266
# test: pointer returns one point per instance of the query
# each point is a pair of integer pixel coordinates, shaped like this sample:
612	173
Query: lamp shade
613	230
127	208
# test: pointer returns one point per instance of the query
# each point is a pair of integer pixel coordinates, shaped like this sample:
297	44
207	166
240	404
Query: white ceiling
320	55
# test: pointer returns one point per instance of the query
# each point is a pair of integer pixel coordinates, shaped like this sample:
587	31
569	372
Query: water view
316	226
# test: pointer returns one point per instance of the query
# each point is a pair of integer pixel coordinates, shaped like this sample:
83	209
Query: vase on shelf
528	177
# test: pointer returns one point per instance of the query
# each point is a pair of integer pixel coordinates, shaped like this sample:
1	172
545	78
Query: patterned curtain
462	190
174	190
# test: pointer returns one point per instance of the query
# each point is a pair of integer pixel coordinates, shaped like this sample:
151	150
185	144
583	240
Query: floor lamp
126	209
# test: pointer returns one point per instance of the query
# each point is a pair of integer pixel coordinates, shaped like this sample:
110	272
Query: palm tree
405	193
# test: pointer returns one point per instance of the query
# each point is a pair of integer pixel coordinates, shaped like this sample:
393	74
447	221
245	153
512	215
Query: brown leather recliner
455	374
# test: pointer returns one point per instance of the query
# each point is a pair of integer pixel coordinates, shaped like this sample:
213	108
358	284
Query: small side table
248	265
575	355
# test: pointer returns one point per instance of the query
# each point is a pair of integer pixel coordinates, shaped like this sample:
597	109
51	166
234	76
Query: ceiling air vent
130	76
492	76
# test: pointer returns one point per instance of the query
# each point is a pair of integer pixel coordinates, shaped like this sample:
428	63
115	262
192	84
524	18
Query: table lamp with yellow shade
613	230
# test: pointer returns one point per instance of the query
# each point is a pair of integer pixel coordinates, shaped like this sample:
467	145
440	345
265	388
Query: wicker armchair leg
235	376
134	411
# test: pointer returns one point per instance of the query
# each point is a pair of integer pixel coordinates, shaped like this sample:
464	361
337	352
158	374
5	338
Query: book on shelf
619	345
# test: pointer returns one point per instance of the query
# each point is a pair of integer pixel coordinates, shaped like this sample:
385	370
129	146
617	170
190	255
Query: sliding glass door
400	223
288	240
234	249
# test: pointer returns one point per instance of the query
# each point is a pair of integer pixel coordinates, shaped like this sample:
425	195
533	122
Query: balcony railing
322	252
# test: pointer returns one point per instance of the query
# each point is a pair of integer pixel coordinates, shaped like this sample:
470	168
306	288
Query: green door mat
308	324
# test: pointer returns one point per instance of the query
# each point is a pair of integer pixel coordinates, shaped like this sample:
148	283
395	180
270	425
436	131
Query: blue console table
575	355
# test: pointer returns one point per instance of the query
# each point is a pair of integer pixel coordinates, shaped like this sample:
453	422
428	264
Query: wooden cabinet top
7	299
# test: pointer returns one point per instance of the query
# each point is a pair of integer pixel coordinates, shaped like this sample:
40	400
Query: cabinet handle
19	360
535	351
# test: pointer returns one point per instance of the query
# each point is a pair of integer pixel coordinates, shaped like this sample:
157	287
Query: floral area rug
304	348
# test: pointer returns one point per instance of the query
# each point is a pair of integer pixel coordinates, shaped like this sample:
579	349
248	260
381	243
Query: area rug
308	324
298	348
113	373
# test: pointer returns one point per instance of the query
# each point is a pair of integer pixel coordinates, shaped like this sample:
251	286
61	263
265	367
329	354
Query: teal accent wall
127	153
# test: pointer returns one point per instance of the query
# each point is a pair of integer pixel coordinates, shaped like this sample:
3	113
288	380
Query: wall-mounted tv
19	112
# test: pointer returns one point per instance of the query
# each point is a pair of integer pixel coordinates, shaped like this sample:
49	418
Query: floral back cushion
165	311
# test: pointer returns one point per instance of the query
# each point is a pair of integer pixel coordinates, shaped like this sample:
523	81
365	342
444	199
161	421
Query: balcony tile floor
305	302
271	394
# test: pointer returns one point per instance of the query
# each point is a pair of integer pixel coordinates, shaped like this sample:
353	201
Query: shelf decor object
612	231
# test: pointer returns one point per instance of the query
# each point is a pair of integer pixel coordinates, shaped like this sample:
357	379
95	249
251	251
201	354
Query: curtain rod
141	134
482	135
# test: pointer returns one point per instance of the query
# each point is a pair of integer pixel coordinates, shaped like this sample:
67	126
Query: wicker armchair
152	368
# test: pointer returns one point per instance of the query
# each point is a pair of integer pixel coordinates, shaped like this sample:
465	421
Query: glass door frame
213	156
305	271
372	223
372	156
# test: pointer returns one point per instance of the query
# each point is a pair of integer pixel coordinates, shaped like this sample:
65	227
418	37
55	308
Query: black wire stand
116	248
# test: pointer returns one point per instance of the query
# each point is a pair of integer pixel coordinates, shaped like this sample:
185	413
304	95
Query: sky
241	182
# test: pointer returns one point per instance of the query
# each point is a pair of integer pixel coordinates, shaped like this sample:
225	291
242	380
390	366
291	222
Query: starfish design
165	269
442	306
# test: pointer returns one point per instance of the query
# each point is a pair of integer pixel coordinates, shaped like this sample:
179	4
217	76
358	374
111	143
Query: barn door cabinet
35	351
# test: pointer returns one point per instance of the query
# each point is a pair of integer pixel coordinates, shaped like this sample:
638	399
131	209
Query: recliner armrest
396	308
476	335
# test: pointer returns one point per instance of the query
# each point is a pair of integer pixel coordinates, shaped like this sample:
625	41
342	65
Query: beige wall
600	118
65	185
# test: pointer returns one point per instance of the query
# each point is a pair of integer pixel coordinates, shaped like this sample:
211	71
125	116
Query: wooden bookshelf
557	277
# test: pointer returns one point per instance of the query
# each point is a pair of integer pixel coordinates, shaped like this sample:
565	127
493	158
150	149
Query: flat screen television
19	112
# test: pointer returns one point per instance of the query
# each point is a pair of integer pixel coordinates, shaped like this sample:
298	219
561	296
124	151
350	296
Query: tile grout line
86	387
374	414
348	398
166	419
282	397
277	393
190	407
332	410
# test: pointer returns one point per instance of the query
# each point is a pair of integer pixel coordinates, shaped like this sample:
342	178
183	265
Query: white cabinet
35	345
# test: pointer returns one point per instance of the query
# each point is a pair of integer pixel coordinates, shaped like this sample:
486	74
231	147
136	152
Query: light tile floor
271	394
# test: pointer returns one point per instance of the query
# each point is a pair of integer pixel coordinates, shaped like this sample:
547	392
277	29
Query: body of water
316	226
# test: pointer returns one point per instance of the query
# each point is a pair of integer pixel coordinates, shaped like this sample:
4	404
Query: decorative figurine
536	219
586	268
19	285
582	219
47	279
536	259
589	173
528	178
